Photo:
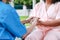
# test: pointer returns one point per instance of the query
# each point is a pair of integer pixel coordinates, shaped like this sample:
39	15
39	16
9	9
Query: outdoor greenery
23	2
24	18
19	3
37	1
28	3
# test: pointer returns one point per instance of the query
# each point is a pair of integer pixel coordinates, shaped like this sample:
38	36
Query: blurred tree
28	3
37	1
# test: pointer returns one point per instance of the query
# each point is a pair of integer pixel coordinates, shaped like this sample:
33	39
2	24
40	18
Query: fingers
34	21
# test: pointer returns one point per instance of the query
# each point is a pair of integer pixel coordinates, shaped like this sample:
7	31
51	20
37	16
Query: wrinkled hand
34	21
27	21
39	22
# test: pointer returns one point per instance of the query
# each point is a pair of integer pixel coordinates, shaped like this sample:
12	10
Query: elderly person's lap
37	35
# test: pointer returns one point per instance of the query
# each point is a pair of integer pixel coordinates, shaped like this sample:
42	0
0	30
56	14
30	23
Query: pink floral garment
52	13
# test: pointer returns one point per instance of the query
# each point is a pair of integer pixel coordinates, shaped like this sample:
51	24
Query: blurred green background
24	18
18	4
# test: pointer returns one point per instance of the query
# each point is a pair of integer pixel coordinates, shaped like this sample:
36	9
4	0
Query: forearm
51	23
29	30
25	21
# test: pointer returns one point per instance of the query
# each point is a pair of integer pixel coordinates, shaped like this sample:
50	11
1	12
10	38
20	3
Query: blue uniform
10	25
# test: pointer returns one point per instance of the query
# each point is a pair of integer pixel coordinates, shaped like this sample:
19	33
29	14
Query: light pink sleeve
58	14
33	13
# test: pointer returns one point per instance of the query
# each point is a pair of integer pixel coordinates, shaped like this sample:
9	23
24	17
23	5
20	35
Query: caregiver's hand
29	30
27	21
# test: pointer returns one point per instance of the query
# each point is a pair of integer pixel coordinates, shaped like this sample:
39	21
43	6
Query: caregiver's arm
27	21
13	24
29	30
33	24
51	23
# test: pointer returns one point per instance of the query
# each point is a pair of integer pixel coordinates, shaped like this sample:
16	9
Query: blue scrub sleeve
12	23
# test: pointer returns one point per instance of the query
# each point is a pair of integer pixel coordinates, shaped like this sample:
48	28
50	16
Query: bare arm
51	23
33	24
27	21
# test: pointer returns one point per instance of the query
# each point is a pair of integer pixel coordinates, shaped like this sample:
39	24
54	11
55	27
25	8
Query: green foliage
37	1
28	3
23	2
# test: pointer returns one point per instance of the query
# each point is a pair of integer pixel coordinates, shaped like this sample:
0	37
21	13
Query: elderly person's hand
34	21
39	22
